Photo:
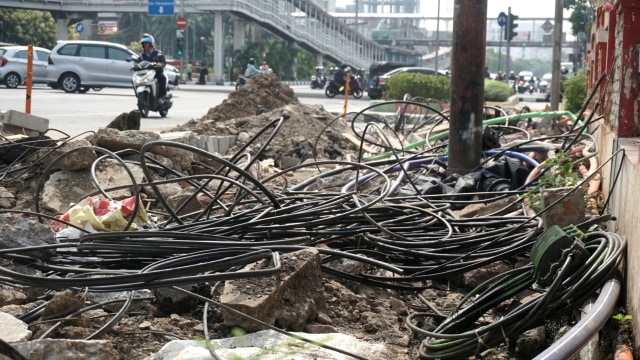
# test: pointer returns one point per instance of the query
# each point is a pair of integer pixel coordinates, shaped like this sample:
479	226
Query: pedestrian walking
189	70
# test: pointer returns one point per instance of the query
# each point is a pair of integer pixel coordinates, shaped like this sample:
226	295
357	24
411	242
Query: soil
305	133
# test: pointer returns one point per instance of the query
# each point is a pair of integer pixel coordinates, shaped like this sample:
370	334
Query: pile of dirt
265	109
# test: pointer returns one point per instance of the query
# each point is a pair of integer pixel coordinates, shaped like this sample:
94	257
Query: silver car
172	74
13	65
79	65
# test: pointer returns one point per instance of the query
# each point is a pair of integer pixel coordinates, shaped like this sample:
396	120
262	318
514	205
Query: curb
233	83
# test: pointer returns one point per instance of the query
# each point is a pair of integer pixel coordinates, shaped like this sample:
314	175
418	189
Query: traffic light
509	33
180	46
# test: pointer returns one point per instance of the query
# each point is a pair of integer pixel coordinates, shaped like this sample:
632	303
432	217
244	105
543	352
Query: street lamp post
202	38
228	40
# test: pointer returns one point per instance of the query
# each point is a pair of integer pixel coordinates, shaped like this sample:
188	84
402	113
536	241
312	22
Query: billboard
107	27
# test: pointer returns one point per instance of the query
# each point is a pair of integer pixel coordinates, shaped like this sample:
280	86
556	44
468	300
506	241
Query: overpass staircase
316	30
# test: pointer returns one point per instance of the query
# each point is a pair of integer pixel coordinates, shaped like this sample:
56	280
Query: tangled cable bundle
466	332
383	212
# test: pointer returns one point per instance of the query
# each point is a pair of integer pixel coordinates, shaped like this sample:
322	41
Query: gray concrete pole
61	29
557	56
467	85
218	41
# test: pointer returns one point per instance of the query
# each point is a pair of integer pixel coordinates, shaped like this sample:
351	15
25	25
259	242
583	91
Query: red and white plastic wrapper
97	215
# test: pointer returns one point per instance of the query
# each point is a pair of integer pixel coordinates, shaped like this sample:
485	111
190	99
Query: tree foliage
538	66
581	17
417	85
575	92
496	90
25	27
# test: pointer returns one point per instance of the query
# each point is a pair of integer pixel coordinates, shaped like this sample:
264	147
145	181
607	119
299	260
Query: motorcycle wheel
330	92
163	113
83	89
358	94
143	104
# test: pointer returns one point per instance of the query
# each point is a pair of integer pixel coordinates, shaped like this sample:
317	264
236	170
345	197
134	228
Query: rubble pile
305	132
126	243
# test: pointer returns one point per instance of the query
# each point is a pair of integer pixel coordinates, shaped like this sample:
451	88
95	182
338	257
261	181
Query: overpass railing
317	31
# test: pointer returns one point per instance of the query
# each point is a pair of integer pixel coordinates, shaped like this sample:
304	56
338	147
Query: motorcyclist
151	54
512	76
340	76
265	68
251	68
320	75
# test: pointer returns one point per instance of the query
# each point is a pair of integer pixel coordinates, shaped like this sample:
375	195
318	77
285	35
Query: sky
522	8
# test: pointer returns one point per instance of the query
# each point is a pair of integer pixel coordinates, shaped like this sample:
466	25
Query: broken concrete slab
271	345
290	299
13	329
22	123
56	349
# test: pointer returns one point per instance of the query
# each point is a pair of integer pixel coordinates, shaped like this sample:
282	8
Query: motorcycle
355	88
146	87
241	80
522	86
318	80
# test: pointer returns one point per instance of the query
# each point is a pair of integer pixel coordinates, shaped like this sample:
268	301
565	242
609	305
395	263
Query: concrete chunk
19	122
289	300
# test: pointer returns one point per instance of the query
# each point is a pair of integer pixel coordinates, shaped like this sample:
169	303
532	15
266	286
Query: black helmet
252	61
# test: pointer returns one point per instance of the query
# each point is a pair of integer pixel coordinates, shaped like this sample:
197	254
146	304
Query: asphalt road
76	113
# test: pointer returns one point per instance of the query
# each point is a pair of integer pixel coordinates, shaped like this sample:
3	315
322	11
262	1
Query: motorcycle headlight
143	79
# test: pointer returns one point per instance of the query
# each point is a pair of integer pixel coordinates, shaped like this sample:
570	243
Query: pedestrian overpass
318	32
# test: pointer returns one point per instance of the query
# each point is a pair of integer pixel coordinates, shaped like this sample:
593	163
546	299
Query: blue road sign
161	8
79	27
502	18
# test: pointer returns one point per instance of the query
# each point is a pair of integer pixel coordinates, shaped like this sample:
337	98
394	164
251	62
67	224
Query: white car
80	65
13	65
173	75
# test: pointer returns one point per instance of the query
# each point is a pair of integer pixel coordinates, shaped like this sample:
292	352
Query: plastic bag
94	214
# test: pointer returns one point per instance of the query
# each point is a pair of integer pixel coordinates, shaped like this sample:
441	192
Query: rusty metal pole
467	85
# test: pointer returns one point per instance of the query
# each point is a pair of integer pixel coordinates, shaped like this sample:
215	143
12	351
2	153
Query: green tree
305	64
538	66
582	15
26	27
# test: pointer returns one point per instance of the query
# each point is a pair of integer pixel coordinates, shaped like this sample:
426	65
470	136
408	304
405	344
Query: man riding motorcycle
153	55
340	76
251	68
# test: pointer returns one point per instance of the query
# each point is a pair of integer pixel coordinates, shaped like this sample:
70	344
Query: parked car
378	84
13	65
173	75
79	65
382	67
